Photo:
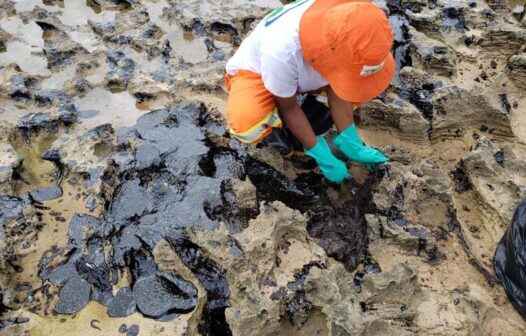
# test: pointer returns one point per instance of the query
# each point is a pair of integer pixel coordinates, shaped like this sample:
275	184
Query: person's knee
251	126
254	137
251	110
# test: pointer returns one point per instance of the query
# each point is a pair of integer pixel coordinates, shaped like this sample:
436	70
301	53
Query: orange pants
251	109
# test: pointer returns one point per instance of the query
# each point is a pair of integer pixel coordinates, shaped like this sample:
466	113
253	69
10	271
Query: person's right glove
333	169
350	143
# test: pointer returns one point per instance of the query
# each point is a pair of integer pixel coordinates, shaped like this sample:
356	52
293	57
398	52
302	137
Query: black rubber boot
279	140
319	116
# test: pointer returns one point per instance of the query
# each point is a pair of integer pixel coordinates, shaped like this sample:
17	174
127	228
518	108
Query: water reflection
25	47
119	109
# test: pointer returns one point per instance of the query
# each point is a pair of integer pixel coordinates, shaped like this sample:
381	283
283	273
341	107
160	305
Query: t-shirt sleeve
280	78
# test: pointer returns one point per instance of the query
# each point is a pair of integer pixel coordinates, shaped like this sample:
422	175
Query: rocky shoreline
125	207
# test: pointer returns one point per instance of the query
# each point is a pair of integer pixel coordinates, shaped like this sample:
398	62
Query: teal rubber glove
333	169
352	146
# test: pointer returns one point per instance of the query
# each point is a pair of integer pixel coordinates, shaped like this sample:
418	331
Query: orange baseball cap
349	43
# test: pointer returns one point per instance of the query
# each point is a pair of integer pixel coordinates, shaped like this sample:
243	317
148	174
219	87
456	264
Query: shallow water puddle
190	47
24	56
143	63
30	32
57	79
11	112
101	106
77	13
29	5
26	48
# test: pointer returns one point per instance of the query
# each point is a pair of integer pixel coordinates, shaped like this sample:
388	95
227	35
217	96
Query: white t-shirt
273	50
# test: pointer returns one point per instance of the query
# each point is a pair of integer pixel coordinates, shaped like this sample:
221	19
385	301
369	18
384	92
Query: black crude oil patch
453	16
162	294
34	123
401	45
421	98
213	279
396	213
370	267
121	70
298	304
272	185
159	196
400	23
133	330
341	230
461	180
44	194
178	178
13	225
123	304
499	157
73	296
505	102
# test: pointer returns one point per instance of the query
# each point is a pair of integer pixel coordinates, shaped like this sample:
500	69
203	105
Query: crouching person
337	48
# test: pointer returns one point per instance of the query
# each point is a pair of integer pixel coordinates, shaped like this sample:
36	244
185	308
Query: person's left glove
352	146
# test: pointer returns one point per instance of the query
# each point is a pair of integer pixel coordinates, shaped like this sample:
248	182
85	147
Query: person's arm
348	139
341	111
315	147
296	121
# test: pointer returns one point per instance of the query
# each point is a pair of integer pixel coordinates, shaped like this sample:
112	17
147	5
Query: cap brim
362	88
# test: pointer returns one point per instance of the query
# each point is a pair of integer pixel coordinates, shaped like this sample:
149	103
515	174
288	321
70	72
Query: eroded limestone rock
232	16
433	55
88	154
399	118
456	108
350	313
497	184
517	70
503	39
262	264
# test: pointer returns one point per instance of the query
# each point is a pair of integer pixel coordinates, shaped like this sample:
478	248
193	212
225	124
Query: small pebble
218	55
45	194
122	328
133	331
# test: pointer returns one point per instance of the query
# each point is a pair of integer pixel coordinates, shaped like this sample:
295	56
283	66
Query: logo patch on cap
368	70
